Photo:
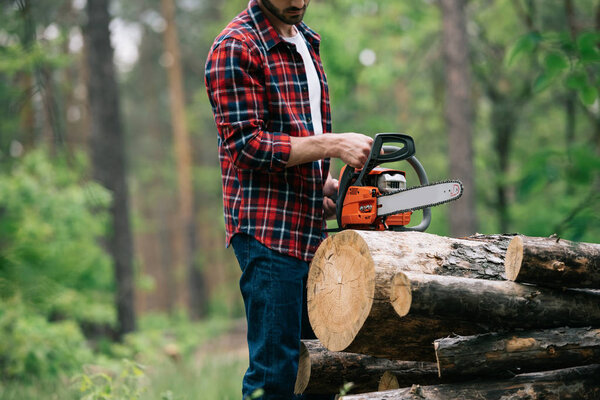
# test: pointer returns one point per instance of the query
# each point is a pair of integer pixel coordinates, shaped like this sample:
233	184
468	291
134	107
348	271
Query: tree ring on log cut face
400	294
514	258
340	289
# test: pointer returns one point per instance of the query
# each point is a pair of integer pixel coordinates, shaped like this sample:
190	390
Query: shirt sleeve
235	84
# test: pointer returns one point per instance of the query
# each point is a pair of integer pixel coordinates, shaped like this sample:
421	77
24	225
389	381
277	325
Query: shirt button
304	88
308	119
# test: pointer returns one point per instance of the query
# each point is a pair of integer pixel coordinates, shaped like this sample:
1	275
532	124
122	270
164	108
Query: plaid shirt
258	90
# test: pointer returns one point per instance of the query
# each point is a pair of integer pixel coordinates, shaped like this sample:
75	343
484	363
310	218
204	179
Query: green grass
199	370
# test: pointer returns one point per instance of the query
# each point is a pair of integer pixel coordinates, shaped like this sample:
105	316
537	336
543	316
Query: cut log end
514	258
304	367
388	381
400	294
340	289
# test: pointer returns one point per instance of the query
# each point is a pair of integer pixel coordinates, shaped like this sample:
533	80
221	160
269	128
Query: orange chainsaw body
359	210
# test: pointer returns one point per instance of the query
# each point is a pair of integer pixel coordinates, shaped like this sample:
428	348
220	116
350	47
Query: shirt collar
269	35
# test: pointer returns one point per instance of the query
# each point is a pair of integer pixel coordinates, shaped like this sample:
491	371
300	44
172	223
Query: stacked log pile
430	314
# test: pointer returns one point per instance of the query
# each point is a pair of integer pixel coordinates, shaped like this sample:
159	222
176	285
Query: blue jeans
273	288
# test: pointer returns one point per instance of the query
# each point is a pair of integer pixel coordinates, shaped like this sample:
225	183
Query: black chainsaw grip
390	153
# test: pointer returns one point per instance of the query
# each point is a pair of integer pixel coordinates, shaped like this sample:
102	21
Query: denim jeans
273	288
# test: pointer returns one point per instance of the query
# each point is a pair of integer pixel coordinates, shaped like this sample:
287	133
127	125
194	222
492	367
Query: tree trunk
197	291
571	383
459	114
508	353
553	262
325	372
108	153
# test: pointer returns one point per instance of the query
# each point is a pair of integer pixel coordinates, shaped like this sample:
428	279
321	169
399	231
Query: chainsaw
376	198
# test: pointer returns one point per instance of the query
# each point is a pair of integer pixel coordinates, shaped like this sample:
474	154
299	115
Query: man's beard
280	15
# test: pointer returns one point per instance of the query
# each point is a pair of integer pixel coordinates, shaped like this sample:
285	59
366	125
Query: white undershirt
314	84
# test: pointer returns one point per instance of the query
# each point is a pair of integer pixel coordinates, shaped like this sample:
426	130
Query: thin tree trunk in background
459	114
108	154
183	157
26	111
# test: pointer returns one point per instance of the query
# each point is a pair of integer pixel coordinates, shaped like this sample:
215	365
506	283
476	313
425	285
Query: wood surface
572	383
321	371
506	354
553	262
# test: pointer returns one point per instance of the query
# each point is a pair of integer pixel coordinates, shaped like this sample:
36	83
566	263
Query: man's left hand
329	189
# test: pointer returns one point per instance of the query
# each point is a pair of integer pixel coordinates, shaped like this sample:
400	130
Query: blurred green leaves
574	61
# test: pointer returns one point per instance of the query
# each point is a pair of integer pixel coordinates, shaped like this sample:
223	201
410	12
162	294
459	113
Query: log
321	371
506	354
493	305
553	262
349	279
573	383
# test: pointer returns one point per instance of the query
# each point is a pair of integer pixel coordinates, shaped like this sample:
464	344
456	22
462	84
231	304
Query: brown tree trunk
553	262
108	154
508	353
325	372
570	383
459	114
183	155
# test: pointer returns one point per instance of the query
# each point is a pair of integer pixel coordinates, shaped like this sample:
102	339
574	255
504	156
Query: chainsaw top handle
389	154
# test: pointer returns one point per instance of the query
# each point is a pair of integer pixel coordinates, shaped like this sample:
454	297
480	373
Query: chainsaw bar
419	197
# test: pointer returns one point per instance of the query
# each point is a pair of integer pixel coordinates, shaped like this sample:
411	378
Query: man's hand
353	148
330	188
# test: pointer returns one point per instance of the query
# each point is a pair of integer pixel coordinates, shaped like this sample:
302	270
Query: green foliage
49	231
32	348
129	384
574	61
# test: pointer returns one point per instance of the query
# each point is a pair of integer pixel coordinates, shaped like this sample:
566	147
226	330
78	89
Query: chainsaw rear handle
377	157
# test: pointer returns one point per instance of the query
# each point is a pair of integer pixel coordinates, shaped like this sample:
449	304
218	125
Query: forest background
114	279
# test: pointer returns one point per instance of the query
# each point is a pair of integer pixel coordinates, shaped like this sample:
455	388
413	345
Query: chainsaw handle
390	153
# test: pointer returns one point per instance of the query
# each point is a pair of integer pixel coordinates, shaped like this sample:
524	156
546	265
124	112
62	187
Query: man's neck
285	30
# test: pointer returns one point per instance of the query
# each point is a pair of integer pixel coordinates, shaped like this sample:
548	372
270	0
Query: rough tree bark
553	262
325	372
458	113
505	354
108	153
571	383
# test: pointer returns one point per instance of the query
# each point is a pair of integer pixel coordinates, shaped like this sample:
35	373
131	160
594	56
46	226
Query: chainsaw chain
425	206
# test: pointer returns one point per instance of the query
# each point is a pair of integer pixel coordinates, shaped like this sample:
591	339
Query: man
269	95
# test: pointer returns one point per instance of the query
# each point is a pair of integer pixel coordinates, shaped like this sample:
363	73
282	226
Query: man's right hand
353	148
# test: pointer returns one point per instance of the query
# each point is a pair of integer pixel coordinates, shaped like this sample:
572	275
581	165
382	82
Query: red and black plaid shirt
258	89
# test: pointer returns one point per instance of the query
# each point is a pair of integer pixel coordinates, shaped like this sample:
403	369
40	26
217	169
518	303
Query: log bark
321	371
350	275
553	262
517	352
493	305
573	383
